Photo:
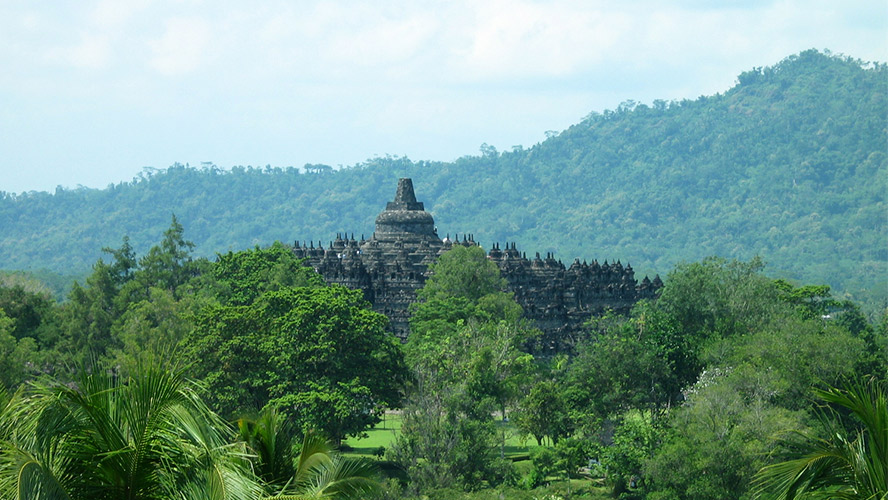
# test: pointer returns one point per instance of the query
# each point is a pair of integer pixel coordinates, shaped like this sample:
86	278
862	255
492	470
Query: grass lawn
516	447
384	434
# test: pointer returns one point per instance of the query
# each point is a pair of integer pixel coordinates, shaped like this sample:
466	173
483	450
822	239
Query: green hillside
790	164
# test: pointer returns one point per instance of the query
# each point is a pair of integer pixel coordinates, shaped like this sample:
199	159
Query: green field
384	434
516	447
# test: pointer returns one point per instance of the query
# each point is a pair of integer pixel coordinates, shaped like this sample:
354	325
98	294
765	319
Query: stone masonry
392	265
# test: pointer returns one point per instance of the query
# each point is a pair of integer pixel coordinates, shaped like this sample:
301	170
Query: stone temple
392	265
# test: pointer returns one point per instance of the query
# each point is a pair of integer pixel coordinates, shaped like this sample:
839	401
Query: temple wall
393	264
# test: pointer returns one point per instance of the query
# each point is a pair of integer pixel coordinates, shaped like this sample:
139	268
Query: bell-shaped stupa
405	219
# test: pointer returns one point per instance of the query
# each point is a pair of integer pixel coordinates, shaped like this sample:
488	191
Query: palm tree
146	436
315	470
270	437
150	436
839	466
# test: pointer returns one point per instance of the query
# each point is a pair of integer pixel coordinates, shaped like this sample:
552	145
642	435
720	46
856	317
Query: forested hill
790	164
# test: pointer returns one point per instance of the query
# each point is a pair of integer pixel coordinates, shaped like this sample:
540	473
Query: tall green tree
17	356
124	262
168	265
463	311
241	277
645	361
718	297
33	313
319	354
641	362
463	285
718	438
93	318
152	328
442	445
465	354
544	413
463	272
89	314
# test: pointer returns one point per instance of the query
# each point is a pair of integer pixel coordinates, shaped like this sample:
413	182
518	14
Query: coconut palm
270	437
839	466
146	436
314	470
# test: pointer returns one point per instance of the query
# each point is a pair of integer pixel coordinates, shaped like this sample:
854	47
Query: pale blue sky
93	91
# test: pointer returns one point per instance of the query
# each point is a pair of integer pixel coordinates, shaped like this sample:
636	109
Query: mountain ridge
790	164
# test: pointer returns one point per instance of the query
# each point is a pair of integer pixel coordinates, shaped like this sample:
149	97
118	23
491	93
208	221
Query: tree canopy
318	354
688	396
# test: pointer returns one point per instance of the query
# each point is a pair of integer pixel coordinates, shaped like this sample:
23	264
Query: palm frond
346	478
316	453
148	436
869	403
25	476
271	437
838	466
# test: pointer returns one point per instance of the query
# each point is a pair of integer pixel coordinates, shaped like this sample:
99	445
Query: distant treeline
790	165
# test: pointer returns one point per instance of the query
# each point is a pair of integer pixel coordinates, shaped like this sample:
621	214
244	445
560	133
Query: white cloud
115	14
338	81
527	39
380	42
182	48
91	52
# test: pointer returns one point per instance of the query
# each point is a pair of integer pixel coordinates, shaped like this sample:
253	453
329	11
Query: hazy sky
93	91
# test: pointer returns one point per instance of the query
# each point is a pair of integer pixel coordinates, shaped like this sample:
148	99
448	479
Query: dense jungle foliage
165	375
790	164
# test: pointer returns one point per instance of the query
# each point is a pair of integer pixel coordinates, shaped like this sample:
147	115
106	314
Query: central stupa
405	219
392	264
